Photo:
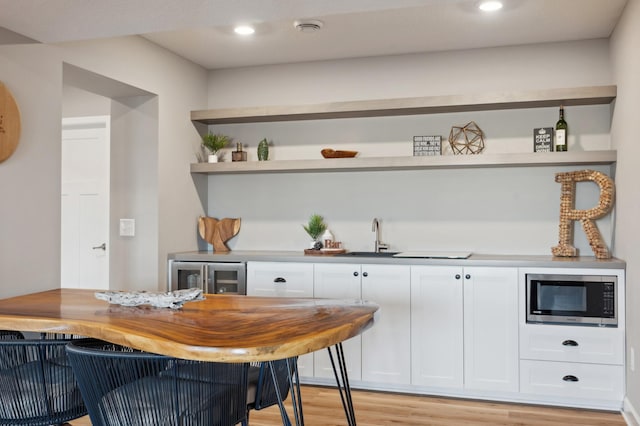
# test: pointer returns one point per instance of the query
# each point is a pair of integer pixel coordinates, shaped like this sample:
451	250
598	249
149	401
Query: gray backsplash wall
502	211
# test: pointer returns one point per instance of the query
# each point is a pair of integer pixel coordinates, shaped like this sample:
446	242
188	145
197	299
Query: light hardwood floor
322	407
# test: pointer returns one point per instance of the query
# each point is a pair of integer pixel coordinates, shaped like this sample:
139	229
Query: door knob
102	246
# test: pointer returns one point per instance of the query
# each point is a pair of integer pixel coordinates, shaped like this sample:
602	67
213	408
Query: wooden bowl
331	153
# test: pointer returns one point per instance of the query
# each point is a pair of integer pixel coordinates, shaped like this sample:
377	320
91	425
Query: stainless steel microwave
572	299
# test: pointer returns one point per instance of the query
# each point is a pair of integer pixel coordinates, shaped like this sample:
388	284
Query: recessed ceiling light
308	26
490	6
244	30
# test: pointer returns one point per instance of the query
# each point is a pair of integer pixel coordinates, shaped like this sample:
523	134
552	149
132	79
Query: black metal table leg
342	382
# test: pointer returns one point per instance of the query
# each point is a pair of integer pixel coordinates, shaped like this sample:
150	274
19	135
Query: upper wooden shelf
592	95
534	159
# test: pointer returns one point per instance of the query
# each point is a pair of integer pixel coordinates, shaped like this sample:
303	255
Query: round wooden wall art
9	123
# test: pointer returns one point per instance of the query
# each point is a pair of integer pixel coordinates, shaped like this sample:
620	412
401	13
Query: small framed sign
427	145
543	139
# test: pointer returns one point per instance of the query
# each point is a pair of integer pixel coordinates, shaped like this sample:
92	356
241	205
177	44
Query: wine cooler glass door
226	278
185	275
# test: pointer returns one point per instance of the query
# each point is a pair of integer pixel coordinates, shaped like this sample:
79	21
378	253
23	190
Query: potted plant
315	228
214	143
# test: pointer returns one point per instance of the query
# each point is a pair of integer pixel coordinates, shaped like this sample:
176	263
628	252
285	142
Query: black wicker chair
126	387
37	385
261	392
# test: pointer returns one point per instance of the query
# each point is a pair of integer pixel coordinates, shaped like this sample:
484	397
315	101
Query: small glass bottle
561	132
239	154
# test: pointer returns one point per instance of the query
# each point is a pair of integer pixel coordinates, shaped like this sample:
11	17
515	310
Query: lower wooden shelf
539	159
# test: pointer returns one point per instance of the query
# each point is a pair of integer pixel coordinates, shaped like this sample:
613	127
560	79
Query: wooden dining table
220	328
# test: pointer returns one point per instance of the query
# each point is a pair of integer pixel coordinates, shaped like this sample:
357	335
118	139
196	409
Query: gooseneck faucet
379	245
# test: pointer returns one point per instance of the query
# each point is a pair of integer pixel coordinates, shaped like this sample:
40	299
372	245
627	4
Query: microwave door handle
569	343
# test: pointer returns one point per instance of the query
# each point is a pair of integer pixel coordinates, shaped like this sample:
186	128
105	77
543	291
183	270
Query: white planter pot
213	158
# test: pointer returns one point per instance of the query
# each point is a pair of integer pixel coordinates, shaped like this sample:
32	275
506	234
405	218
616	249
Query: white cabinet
338	281
436	326
283	279
491	329
386	347
464	331
573	364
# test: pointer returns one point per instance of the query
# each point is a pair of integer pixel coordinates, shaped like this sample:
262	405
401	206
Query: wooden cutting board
9	123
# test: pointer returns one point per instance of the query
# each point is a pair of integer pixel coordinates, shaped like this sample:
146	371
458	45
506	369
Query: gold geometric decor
568	213
468	139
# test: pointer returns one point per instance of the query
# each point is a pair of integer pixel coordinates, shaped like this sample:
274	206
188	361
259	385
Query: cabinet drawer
572	380
281	279
571	343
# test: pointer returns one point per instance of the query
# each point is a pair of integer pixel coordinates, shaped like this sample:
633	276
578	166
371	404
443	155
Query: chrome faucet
379	245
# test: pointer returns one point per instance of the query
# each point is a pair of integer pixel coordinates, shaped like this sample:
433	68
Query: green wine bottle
263	150
561	132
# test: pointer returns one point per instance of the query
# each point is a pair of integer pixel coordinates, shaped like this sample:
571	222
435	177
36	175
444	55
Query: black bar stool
126	387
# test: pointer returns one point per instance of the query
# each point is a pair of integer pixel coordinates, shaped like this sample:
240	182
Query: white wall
30	179
483	210
30	189
626	68
178	85
80	103
584	63
134	192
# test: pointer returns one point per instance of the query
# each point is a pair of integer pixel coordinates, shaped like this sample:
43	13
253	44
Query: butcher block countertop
223	328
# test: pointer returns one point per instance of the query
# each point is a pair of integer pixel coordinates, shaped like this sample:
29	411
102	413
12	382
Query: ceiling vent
308	26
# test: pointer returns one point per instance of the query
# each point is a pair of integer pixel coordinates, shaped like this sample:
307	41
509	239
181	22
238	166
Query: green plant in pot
315	227
214	143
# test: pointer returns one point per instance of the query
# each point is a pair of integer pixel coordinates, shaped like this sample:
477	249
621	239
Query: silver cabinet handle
102	246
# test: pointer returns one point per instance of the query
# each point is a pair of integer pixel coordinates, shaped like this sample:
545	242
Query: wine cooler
212	278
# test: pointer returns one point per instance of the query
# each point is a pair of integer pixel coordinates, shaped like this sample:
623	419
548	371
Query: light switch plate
127	227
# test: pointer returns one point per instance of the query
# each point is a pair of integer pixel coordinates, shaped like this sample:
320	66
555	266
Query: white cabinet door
436	326
283	279
386	347
338	281
491	328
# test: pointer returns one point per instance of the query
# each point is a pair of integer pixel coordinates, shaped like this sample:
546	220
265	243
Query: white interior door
85	203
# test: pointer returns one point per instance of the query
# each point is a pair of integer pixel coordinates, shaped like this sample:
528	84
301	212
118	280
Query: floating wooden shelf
592	95
539	159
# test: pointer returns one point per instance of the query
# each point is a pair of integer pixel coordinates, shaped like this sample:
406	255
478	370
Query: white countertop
533	261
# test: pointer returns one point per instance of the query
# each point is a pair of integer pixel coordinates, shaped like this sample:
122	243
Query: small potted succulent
315	228
214	143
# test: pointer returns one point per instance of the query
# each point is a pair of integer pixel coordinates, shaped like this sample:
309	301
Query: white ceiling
202	30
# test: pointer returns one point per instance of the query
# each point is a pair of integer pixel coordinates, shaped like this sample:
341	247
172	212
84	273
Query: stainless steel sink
368	254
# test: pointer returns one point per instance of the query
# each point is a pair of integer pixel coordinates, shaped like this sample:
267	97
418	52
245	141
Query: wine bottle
561	132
